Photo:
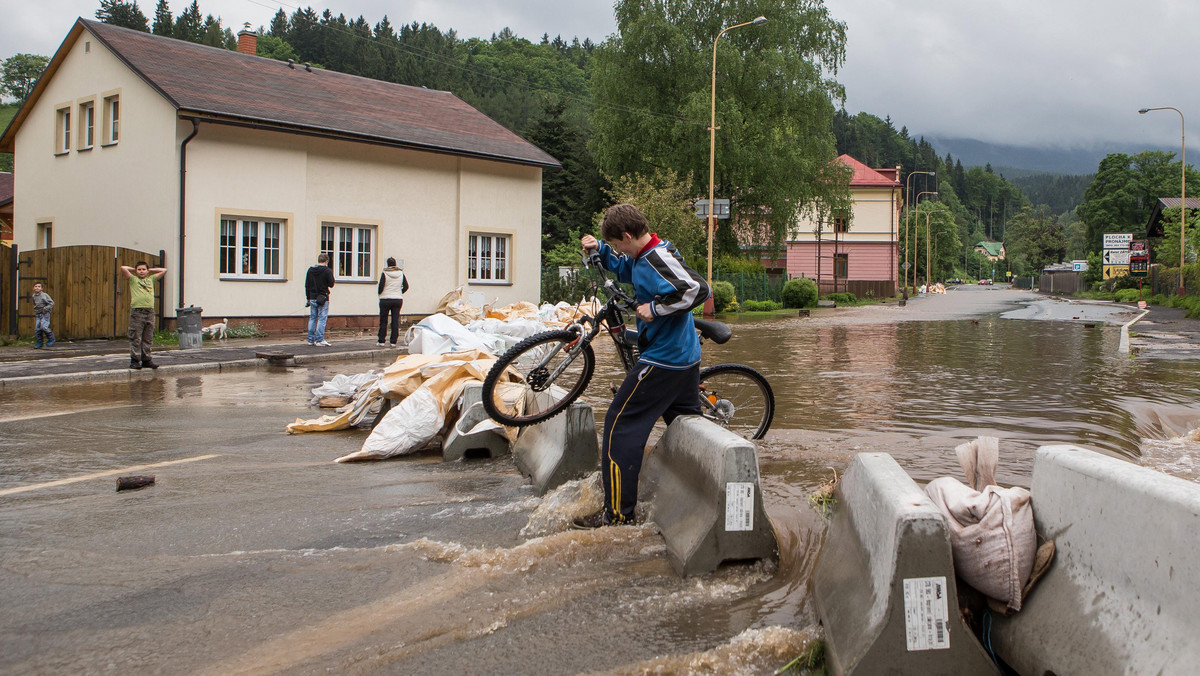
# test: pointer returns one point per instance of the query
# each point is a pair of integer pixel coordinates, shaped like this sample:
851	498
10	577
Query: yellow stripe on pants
614	472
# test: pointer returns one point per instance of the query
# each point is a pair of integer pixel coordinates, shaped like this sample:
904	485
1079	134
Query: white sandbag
439	334
343	385
992	534
406	427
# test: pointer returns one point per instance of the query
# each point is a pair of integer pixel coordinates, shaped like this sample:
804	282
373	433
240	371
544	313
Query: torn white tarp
343	385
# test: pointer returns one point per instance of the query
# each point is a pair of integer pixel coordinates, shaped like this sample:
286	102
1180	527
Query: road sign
1116	257
1111	271
906	265
1117	240
721	212
1079	266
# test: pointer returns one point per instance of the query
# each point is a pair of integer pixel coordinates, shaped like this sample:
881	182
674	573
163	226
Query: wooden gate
91	296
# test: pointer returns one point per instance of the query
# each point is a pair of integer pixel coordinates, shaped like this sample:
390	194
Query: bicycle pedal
612	388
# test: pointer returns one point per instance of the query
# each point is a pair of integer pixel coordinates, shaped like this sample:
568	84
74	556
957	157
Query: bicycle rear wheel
737	397
552	370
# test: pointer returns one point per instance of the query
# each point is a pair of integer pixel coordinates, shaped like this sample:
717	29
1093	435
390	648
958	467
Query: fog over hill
1031	159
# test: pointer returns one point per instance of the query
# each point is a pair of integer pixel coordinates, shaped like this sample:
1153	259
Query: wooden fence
91	296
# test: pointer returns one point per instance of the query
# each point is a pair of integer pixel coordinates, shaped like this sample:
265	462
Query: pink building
856	252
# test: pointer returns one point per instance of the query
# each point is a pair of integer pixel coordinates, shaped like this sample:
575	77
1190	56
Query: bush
1157	299
761	306
722	295
800	292
732	265
842	298
1127	295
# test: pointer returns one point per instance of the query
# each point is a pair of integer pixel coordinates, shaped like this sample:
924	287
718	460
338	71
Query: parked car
956	280
985	282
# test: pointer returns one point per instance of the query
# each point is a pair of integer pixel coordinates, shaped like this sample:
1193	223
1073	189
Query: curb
1123	348
218	366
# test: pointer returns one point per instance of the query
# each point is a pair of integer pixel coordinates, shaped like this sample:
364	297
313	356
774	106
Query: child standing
141	312
42	305
665	381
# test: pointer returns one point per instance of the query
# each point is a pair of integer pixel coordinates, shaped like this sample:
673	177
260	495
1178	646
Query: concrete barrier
1123	593
707	501
884	583
462	442
559	450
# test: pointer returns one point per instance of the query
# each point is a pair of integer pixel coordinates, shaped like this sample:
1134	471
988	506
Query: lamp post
917	203
1182	186
907	192
712	151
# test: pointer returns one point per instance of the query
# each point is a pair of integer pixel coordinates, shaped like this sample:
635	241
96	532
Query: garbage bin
188	325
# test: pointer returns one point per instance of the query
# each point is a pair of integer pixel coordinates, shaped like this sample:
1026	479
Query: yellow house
856	252
243	169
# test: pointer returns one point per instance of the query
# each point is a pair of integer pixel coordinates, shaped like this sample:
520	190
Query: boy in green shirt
141	312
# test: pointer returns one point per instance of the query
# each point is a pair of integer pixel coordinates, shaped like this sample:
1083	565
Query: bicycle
556	366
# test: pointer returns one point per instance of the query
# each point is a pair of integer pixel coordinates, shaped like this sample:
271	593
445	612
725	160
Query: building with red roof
855	251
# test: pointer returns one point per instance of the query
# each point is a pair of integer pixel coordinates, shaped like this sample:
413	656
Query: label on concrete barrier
925	614
739	506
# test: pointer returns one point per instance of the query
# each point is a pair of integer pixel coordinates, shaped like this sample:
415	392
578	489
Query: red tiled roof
865	176
233	87
6	188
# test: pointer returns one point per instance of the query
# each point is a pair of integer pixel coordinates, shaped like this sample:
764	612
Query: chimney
247	40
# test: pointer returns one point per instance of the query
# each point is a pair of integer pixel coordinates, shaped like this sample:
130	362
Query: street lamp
712	151
917	203
907	192
1182	186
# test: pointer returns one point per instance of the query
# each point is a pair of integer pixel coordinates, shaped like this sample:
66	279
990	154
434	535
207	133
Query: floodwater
255	553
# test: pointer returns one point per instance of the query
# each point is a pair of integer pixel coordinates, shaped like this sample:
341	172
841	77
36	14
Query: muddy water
270	558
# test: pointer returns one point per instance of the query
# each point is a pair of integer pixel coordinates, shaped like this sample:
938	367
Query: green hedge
761	306
722	295
800	292
842	298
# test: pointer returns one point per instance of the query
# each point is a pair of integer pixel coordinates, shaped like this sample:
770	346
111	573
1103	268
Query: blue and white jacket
661	278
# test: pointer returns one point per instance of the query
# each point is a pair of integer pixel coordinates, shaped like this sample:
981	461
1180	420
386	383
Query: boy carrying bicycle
666	378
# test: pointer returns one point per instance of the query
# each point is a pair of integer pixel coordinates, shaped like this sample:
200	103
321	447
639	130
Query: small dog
216	330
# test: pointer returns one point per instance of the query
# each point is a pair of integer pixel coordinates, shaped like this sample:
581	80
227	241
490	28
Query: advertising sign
1111	271
1116	257
1117	240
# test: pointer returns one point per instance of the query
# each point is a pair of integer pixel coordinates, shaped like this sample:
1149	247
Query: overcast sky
1069	73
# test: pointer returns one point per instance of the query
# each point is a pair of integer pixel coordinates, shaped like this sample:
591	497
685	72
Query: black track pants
648	393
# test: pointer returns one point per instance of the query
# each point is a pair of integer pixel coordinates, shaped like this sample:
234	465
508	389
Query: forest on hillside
623	123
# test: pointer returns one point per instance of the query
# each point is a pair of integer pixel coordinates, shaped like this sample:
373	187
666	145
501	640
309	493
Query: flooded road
255	553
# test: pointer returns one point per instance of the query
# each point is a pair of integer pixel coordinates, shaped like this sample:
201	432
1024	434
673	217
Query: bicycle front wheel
737	397
551	370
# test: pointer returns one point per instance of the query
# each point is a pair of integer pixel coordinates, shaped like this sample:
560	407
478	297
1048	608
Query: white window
250	248
351	248
62	125
487	258
112	119
87	125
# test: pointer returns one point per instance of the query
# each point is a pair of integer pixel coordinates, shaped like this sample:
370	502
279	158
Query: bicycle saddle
717	332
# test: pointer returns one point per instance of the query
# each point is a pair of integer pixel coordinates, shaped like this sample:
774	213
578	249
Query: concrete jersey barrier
558	450
884	583
1123	593
704	483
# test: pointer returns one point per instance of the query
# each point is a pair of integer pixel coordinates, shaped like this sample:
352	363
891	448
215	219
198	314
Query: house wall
873	218
118	195
868	261
422	206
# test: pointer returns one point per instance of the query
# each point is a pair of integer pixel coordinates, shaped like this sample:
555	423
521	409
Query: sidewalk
1165	333
109	359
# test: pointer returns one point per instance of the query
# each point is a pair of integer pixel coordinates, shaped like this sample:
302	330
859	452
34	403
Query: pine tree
164	22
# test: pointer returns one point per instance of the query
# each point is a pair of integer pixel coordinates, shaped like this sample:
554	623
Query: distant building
856	252
993	250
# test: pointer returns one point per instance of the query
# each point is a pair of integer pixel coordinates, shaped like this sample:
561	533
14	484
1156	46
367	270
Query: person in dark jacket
392	286
665	382
317	285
